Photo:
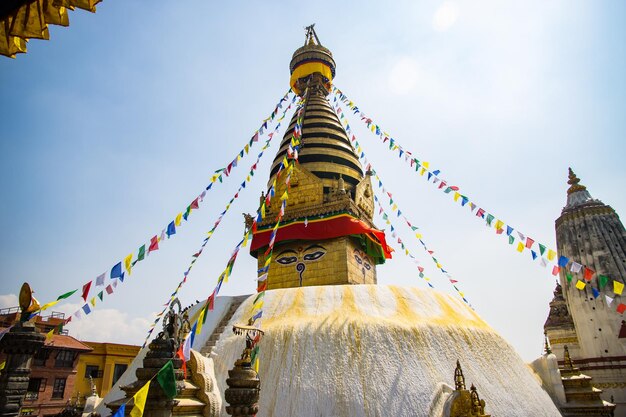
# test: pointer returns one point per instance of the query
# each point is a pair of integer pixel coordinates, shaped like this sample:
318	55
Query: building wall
42	403
104	356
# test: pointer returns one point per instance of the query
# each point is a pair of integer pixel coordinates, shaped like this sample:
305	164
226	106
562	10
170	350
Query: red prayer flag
621	308
262	286
181	355
194	204
529	242
454	281
211	301
421	269
589	273
154	244
86	288
555	270
109	289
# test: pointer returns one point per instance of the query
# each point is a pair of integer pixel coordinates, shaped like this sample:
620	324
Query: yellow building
105	364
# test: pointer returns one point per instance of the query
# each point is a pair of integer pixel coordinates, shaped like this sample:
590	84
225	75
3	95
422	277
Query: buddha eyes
358	260
313	256
368	266
286	260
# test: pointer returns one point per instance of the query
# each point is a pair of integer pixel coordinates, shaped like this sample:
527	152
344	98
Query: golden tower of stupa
326	236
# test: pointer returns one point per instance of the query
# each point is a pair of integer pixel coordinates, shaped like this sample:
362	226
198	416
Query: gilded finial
478	405
547	345
459	379
568	361
573	181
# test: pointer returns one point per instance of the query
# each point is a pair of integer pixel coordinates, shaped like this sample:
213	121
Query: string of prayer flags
423	167
398	212
197	254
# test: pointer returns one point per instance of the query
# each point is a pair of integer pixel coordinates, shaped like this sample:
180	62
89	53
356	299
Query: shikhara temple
322	338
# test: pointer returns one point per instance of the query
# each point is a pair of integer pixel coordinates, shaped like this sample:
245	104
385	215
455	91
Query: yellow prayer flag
127	262
461	294
499	224
49	335
245	240
551	254
50	304
284	196
258	305
418	235
178	219
439	265
456	196
422	171
93	301
580	285
267	261
139	399
256	365
2	365
618	287
520	247
200	320
406	251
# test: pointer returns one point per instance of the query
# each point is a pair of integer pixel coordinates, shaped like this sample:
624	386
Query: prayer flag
509	230
187	348
200	321
480	213
139	399
563	261
178	219
109	289
142	253
171	229
499	224
529	242
520	246
262	286
180	354
551	254
66	295
609	300
154	244
580	284
194	204
511	240
489	219
120	411
93	301
555	270
49	335
575	267
116	271
603	279
621	308
534	254
101	295
86	309
589	273
595	292
86	288
210	302
542	249
127	263
100	280
258	315
618	287
167	379
569	277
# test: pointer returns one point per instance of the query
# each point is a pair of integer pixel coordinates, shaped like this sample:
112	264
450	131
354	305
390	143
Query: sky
117	123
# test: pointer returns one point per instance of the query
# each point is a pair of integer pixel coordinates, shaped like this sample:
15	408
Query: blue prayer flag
171	229
120	411
257	315
595	292
193	333
116	271
86	309
563	261
509	230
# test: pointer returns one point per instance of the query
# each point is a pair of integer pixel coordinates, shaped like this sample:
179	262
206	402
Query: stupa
336	343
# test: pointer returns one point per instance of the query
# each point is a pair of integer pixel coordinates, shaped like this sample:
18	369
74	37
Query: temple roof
21	20
577	194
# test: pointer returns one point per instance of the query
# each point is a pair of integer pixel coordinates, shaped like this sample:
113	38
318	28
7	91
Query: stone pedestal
158	404
243	390
19	344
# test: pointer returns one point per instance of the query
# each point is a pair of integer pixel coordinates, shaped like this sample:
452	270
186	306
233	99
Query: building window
41	357
93	371
34	387
58	390
65	359
118	371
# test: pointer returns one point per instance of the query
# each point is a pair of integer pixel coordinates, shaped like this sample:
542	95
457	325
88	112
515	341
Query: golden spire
459	379
568	361
573	181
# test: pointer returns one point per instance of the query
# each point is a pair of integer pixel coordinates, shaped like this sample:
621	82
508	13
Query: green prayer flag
142	253
100	295
603	280
489	219
254	353
67	294
167	379
569	277
511	240
542	248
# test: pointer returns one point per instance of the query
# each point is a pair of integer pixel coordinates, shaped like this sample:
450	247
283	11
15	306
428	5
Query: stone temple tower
589	232
326	236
